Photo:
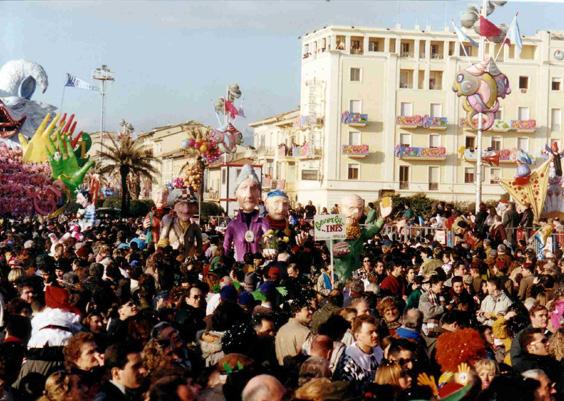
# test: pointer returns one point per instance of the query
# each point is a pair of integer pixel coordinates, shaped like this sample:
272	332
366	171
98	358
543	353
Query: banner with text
329	226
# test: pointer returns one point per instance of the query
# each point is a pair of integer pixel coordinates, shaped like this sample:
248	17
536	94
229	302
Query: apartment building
377	113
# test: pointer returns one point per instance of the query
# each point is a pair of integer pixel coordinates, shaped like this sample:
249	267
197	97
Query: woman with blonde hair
486	369
556	345
392	374
15	275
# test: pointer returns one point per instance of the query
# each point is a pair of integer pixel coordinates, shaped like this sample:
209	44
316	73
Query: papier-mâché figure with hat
245	231
277	229
177	228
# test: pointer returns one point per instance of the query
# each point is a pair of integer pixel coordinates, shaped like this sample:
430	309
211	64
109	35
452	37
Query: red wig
453	348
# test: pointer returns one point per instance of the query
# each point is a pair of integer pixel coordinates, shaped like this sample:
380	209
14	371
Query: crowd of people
110	313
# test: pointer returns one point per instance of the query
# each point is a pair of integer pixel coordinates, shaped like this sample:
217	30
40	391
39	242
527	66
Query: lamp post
481	54
471	19
102	74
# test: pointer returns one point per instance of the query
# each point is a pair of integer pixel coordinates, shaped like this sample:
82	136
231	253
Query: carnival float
42	162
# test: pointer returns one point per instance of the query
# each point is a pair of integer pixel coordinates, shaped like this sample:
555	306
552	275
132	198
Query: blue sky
173	59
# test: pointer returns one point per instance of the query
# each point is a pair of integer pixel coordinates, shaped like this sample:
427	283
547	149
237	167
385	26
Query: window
470	142
405	49
433	178
406	109
405	139
556	84
495	175
436	80
404	177
355	74
469	175
524	83
523	144
523	113
555	120
434	141
406	79
499	114
466	50
354	171
373	45
496	143
354	138
309	175
356	106
436	110
356	48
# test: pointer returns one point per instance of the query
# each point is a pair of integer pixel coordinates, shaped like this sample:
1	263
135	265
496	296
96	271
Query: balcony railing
355	151
265	151
305	151
354	119
489	156
426	121
527	126
308	121
524	125
420	153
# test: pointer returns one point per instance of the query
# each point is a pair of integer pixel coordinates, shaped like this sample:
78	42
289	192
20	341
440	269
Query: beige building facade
377	113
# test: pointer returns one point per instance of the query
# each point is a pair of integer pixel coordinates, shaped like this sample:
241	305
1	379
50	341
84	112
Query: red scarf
276	224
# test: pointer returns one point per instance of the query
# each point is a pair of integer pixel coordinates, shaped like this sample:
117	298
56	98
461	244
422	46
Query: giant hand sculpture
64	163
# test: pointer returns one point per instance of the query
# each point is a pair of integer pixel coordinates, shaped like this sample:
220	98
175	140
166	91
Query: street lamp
102	74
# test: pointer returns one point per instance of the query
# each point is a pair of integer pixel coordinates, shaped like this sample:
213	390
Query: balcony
354	119
418	153
305	151
355	151
488	156
263	151
427	122
523	126
528	126
308	121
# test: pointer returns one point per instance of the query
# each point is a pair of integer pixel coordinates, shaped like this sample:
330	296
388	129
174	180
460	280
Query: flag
231	109
514	34
75	82
488	29
462	37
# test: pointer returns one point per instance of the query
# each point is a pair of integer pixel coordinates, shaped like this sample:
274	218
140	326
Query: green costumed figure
347	254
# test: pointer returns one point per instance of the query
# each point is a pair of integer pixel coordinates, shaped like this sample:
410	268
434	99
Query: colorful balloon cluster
481	85
201	142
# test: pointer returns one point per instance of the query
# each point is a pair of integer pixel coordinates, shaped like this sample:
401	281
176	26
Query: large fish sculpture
481	85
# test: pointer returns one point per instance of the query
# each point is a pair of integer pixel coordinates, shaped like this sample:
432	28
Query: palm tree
125	156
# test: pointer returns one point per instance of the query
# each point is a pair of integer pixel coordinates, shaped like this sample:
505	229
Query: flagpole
505	38
481	53
62	98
